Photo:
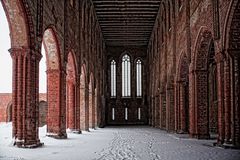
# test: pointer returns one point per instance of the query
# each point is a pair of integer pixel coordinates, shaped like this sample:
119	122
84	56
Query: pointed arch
199	85
71	89
56	126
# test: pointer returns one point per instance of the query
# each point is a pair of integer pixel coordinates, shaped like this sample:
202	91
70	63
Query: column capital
219	57
18	51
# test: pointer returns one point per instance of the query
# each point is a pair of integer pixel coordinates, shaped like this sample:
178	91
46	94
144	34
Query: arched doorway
182	96
56	122
230	132
24	59
212	93
203	89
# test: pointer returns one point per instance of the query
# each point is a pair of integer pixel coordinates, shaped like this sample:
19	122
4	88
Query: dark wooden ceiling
126	22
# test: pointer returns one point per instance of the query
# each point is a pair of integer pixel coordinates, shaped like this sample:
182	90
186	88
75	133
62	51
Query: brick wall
133	102
6	102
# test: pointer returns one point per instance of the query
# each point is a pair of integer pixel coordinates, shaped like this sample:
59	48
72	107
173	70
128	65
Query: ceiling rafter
126	22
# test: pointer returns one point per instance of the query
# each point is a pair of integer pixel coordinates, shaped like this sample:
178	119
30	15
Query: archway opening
212	93
42	113
56	126
84	115
71	93
5	67
183	96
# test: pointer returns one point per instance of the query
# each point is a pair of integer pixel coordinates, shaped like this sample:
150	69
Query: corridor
121	143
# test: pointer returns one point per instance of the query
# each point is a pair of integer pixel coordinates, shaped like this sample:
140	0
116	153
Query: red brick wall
6	100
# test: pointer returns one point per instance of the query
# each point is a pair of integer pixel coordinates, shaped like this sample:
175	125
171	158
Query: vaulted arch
56	126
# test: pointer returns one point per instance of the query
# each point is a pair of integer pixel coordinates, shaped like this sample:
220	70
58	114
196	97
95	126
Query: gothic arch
71	91
18	23
22	39
231	46
182	95
56	126
199	85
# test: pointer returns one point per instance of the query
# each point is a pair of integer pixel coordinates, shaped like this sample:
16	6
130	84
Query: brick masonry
202	35
175	77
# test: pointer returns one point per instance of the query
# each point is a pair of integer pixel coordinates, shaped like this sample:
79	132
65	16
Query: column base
77	131
200	136
29	144
57	136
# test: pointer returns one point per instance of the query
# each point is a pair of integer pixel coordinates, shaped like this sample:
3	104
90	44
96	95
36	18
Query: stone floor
117	143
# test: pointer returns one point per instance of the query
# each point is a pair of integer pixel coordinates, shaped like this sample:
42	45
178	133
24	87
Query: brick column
153	111
96	107
220	95
227	101
77	107
71	105
182	106
157	120
236	97
93	110
25	97
56	123
176	106
90	109
198	106
150	111
163	110
170	109
84	110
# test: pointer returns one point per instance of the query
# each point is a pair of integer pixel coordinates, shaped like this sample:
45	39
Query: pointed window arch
126	76
113	78
139	77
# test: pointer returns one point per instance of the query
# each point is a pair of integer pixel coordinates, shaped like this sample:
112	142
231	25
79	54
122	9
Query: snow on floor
115	143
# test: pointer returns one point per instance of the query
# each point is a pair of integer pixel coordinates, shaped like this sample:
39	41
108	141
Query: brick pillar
150	111
176	106
220	94
84	110
170	117
87	108
198	105
157	121
192	101
90	109
96	108
56	123
77	107
162	110
25	97
93	110
227	101
236	98
153	111
182	106
71	105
